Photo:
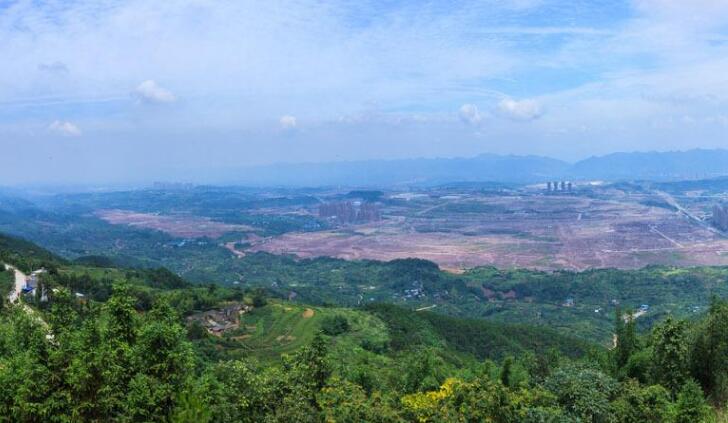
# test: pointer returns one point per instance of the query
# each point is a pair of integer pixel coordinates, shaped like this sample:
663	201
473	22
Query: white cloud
288	122
65	128
469	113
520	109
150	92
237	65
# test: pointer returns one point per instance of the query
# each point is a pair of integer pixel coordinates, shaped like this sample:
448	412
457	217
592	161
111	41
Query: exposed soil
538	232
182	225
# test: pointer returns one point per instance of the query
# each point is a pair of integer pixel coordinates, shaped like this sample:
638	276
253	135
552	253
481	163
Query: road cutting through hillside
20	279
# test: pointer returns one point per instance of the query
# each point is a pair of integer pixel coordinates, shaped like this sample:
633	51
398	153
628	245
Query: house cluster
350	212
218	321
417	291
31	281
185	242
493	295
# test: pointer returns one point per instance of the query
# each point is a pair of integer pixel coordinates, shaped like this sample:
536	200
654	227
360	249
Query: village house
216	322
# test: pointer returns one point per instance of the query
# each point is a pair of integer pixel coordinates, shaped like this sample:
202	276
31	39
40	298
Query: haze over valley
510	211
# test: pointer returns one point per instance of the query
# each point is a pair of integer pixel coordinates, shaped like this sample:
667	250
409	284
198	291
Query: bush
334	325
258	298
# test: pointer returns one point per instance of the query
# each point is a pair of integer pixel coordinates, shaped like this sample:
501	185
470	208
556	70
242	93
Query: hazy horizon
122	92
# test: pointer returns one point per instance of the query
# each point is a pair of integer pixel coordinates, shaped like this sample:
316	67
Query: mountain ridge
518	169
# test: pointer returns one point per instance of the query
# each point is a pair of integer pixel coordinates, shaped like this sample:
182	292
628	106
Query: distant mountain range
673	165
486	167
657	166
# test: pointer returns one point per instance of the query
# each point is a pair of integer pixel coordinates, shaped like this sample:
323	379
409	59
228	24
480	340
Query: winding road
20	278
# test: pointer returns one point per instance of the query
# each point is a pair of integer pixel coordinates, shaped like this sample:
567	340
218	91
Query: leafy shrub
334	325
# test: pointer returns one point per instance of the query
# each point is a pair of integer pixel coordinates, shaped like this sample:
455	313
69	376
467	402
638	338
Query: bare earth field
184	226
532	231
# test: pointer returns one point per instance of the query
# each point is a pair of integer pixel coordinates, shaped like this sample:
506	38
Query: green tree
709	355
639	366
542	364
670	354
258	297
26	381
87	373
421	370
638	404
191	409
121	316
119	328
235	391
583	392
691	406
164	358
626	337
334	325
506	373
343	401
63	315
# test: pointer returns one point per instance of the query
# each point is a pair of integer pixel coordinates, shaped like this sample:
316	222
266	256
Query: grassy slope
281	327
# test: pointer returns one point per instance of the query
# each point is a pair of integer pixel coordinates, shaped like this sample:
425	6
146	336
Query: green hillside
132	348
25	254
478	338
282	327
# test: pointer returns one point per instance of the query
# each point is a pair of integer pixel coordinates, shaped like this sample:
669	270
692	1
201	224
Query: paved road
19	284
685	212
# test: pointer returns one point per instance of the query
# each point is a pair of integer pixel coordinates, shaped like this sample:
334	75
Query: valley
396	292
515	253
595	225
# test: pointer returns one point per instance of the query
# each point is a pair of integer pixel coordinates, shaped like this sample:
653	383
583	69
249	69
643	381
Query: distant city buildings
720	217
564	186
348	212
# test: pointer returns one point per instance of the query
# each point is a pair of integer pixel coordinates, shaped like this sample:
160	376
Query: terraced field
278	328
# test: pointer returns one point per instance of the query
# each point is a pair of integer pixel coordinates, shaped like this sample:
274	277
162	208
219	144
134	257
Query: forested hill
115	344
673	165
476	338
25	254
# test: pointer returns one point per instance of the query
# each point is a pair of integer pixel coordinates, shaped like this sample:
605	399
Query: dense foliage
67	225
124	350
72	360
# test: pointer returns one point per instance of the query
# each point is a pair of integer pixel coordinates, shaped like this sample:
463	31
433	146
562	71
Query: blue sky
104	90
